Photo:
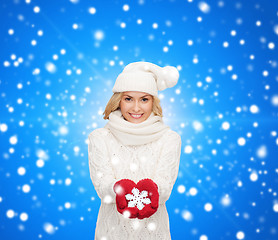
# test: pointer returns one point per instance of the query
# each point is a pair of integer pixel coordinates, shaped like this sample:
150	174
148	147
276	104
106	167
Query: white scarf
136	133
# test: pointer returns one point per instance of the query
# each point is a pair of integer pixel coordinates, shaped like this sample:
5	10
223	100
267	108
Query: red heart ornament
136	200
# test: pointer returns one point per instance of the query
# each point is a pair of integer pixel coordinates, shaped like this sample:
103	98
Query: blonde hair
114	104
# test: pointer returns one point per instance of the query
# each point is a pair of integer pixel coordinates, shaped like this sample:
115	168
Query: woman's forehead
136	94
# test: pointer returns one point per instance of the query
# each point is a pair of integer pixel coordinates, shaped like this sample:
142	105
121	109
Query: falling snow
58	66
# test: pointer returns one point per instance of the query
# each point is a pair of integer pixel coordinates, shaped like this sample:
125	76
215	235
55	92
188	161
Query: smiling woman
134	159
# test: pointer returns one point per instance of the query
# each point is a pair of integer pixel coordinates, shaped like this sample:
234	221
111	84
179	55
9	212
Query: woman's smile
136	116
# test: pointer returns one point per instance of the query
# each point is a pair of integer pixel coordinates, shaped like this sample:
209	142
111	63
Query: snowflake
137	199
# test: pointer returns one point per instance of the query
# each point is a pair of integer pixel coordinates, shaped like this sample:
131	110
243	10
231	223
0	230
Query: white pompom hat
146	77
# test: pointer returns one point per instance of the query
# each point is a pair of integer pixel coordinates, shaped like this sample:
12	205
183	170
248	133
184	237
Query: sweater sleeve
168	166
100	166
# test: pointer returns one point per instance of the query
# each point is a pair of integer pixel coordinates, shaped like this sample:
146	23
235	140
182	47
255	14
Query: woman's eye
144	99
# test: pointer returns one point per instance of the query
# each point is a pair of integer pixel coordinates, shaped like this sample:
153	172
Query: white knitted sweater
110	161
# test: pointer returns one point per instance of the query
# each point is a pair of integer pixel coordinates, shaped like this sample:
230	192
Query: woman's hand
136	200
152	189
122	188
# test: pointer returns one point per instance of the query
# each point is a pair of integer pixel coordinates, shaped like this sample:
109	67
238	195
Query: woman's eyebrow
141	97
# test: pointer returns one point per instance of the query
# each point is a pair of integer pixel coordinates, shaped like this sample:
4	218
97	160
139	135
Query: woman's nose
136	106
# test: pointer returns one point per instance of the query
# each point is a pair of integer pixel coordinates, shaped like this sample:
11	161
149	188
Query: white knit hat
146	77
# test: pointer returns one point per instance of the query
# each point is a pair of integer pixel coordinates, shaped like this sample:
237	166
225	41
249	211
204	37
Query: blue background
53	92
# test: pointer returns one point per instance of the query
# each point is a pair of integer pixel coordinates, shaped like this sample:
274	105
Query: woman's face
136	103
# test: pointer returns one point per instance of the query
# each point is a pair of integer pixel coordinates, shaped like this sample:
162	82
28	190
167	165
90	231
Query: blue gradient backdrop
58	64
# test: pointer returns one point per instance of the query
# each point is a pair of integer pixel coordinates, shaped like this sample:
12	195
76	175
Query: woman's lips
136	117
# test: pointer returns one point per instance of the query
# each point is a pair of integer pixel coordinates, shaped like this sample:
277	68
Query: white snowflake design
137	199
